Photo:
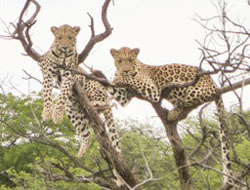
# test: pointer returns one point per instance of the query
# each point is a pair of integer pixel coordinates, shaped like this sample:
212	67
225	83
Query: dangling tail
225	150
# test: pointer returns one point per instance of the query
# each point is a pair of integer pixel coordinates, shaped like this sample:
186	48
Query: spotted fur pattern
63	51
98	97
152	81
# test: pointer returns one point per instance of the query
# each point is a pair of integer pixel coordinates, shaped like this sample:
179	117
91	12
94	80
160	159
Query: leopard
153	83
63	52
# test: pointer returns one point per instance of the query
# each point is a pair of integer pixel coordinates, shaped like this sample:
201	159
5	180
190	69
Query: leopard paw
82	151
173	115
57	115
47	114
84	146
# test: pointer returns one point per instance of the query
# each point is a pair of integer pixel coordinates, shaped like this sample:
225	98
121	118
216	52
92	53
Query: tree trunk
113	159
177	146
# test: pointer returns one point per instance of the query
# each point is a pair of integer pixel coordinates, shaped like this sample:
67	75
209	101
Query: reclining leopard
151	81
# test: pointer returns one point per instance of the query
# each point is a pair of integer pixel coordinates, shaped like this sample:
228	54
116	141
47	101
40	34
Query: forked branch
96	38
22	29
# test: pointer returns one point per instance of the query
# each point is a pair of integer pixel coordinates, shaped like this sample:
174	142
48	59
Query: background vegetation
37	155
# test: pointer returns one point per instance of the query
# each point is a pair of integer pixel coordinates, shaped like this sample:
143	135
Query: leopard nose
126	70
64	49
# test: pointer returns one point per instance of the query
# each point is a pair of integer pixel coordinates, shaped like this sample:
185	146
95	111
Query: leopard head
65	40
126	60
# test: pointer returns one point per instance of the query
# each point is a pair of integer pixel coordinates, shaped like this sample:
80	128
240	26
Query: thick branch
177	146
233	86
103	80
111	156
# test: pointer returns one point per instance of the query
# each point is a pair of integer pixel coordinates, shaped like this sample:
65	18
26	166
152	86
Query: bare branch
234	86
23	27
96	38
92	26
204	132
218	171
244	122
32	77
150	179
101	80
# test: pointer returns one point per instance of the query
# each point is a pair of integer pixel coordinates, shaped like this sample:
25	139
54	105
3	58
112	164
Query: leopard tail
225	145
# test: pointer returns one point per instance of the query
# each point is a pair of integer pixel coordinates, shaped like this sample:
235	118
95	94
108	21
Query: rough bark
181	160
110	155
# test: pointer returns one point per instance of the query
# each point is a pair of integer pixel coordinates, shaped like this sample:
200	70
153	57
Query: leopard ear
77	29
113	52
136	51
53	29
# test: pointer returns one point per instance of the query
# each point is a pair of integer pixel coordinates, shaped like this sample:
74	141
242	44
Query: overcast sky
164	30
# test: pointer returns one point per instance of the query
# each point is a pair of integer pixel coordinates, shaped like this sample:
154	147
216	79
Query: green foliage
158	154
206	178
33	152
242	150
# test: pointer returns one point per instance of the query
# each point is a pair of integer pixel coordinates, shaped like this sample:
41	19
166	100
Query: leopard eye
70	37
119	61
130	60
59	37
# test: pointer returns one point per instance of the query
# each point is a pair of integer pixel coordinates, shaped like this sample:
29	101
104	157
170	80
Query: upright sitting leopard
150	81
63	51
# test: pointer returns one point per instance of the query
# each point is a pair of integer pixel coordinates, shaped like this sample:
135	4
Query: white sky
164	30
